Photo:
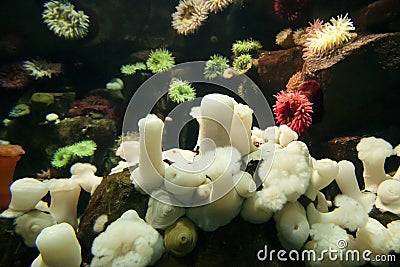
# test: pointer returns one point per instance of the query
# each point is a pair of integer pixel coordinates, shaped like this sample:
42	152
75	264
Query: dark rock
343	148
235	244
276	67
13	250
379	16
85	127
360	84
113	197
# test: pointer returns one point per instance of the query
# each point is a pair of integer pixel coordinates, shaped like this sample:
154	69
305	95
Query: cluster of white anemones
62	18
322	38
286	173
208	190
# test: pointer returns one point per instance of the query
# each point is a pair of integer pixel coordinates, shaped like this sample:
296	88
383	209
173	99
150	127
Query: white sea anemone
372	152
189	16
289	173
64	20
394	232
324	38
128	241
215	6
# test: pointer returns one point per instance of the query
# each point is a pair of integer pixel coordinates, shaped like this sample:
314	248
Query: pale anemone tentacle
393	243
396	151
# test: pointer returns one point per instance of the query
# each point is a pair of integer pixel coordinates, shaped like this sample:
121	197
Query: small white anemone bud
53	118
100	223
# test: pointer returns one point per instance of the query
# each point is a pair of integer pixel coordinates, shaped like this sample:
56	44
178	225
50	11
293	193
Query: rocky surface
113	197
13	250
359	83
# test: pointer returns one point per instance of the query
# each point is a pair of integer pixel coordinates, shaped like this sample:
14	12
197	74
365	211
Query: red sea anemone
289	10
311	89
293	109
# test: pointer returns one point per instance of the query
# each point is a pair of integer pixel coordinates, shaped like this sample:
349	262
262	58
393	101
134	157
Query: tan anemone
216	6
189	16
285	38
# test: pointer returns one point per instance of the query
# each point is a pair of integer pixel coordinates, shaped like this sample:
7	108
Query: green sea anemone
84	148
43	98
180	91
131	69
242	63
215	66
19	111
62	157
65	155
160	60
249	46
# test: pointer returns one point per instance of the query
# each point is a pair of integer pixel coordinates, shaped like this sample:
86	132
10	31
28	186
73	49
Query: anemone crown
293	109
180	91
322	38
249	46
160	60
